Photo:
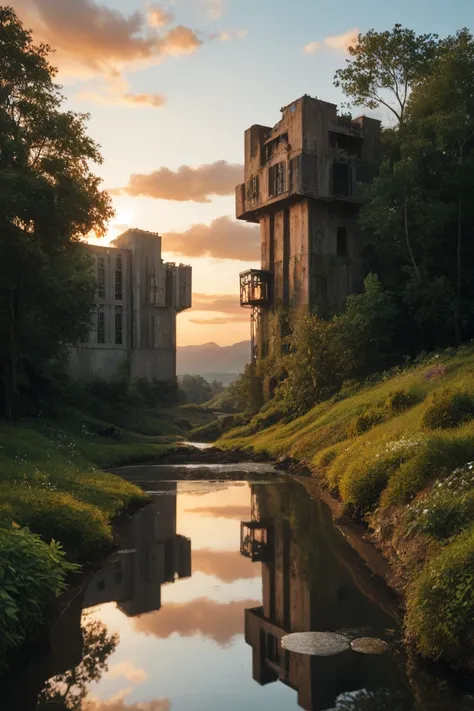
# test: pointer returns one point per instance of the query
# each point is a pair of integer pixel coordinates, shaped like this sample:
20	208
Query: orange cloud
239	513
118	703
224	238
339	43
217	621
89	35
228	566
128	671
226	304
159	17
186	183
156	101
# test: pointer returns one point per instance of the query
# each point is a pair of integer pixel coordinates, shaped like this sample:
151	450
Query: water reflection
266	560
155	555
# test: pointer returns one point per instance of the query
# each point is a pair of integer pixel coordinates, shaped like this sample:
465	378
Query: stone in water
369	645
321	644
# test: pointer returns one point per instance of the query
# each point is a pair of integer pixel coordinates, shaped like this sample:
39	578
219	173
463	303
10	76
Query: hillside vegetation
399	454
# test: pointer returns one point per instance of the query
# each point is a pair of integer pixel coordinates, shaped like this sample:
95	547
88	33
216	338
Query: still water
189	614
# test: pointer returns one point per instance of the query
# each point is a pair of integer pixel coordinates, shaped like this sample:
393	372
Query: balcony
255	288
255	541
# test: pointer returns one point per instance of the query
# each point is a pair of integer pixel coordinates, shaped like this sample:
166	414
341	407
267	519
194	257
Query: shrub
82	529
364	480
446	409
447	508
365	421
32	575
436	458
401	400
440	603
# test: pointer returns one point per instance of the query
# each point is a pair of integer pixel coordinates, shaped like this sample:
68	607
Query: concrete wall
152	293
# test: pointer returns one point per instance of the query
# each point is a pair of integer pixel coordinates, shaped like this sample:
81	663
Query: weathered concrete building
303	185
138	297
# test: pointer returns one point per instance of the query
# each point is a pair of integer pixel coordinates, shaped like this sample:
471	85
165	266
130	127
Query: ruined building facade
133	331
303	186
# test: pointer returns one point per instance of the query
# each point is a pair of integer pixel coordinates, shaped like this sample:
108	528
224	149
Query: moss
365	421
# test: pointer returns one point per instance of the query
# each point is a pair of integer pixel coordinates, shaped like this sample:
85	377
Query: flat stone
369	645
320	644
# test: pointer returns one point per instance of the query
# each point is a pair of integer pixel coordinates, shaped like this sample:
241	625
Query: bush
364	480
440	604
32	575
446	409
81	528
401	400
436	458
365	421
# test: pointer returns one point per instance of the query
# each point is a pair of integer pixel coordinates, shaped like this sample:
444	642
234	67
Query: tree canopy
49	200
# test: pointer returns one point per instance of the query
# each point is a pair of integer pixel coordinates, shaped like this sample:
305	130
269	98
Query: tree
49	201
195	388
68	691
385	66
417	220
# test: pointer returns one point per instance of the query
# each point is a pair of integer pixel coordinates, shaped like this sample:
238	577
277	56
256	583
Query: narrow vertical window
100	323
101	278
118	279
119	325
341	242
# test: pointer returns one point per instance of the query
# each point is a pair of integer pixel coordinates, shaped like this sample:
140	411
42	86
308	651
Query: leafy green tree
385	66
417	217
49	200
195	389
246	392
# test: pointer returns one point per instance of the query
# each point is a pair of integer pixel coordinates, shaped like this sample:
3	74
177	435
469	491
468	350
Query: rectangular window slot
276	179
100	324
119	325
118	279
101	278
342	179
341	242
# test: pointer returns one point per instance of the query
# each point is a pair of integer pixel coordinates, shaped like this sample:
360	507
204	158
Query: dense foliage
49	200
197	390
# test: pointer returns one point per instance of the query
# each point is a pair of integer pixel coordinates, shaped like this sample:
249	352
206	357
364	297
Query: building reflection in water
153	554
311	581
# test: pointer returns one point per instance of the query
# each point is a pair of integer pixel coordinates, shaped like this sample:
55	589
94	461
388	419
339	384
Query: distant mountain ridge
210	358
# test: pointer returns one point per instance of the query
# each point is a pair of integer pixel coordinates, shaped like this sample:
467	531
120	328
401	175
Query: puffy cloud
88	34
159	16
227	35
129	671
228	566
214	9
224	238
186	183
339	43
215	302
118	703
214	620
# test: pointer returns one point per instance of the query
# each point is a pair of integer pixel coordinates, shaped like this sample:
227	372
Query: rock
321	644
369	645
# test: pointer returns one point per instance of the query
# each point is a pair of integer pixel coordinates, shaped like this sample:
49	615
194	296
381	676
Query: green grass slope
400	455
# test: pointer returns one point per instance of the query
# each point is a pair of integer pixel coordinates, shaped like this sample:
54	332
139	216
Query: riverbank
399	456
58	505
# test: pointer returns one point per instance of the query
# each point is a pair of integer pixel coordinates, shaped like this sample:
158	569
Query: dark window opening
119	324
341	242
101	278
352	145
342	179
276	179
273	146
118	279
100	324
252	189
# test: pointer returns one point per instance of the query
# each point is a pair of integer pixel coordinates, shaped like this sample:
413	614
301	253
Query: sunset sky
171	89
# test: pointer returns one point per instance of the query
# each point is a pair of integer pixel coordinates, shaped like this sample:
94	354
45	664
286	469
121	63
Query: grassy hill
399	454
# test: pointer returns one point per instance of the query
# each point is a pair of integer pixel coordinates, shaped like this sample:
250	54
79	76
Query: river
189	614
